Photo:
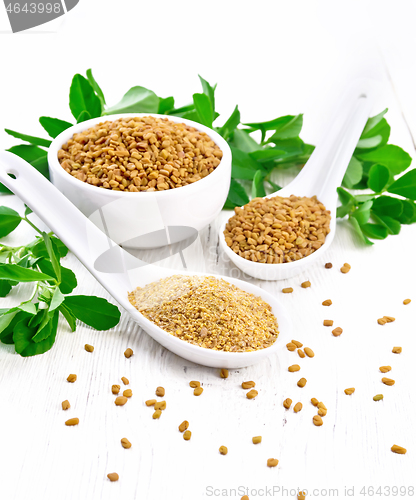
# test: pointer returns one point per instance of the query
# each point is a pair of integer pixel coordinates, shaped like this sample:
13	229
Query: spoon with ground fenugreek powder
211	320
278	236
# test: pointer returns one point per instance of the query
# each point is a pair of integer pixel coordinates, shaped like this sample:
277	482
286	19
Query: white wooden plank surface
41	458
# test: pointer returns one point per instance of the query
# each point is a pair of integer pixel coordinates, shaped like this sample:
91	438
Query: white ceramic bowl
142	220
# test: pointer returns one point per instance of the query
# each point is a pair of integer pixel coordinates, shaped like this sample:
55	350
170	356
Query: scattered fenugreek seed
317	420
198	391
157	414
301	353
160	391
125	380
396	350
128	393
113	476
381	321
187	435
306	284
337	331
72	421
72	378
248	385
128	353
345	268
302	382
160	405
328	265
291	347
150	402
294	368
287	403
378	397
297	343
272	462
224	373
327	302
88	347
389	319
256	439
301	495
388	381
321	405
223	450
194	383
406	301
252	394
322	412
245	497
297	407
309	352
183	426
314	401
328	322
65	405
115	389
121	401
398	449
385	369
287	290
125	443
349	391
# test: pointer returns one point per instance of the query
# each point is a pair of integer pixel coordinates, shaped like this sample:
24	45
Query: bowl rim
79	127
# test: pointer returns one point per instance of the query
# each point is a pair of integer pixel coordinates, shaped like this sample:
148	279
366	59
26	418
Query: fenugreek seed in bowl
278	230
208	312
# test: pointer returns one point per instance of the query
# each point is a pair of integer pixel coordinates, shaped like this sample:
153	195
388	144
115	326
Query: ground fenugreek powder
277	230
208	312
140	154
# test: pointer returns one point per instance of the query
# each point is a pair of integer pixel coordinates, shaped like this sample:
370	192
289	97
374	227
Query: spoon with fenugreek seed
238	323
278	236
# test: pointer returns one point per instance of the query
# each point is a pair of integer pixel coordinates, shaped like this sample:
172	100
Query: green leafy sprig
32	325
375	166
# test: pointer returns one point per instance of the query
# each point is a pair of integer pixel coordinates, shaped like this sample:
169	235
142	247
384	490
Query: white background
272	58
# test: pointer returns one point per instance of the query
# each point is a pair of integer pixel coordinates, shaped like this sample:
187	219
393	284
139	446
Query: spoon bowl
117	270
320	177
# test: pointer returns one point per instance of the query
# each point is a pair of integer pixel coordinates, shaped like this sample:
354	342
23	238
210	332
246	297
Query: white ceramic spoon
321	176
125	272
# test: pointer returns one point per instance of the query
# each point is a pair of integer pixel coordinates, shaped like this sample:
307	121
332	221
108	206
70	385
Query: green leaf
54	126
5	288
8	322
68	278
181	110
237	196
29	138
257	189
29	153
291	147
53	255
374	231
71	319
165	105
38	247
209	91
84	116
378	178
204	109
6	318
268	154
353	173
96	88
392	157
17	273
347	202
45	326
376	137
243	141
23	338
362	214
9	220
358	231
82	98
405	185
136	100
57	299
28	307
391	225
230	125
409	212
42	166
273	185
372	122
243	166
386	205
287	129
93	311
28	211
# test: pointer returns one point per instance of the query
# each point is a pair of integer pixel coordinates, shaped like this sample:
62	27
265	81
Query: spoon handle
78	233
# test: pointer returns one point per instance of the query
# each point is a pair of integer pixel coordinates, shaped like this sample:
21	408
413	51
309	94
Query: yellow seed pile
140	154
208	312
278	230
